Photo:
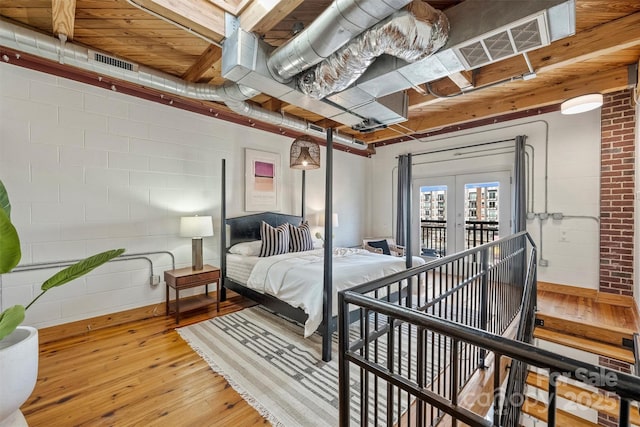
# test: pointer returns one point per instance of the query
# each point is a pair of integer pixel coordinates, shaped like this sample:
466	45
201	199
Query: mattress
239	267
297	278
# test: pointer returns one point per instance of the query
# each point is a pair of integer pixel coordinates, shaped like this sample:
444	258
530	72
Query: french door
458	212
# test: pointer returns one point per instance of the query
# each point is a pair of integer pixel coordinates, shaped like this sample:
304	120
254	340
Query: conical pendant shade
304	154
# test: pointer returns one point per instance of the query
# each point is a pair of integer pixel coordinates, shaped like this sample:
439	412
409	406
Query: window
493	194
492	204
473	196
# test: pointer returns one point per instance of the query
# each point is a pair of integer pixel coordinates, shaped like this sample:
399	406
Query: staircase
584	328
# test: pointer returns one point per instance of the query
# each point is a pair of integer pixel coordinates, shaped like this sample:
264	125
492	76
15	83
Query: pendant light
304	154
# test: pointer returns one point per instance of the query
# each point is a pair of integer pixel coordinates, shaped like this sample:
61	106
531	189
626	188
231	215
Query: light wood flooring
586	309
140	373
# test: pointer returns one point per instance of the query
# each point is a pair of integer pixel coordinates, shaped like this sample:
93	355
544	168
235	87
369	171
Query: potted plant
19	344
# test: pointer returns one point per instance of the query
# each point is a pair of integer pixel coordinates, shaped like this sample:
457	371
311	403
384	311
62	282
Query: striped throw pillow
275	240
300	238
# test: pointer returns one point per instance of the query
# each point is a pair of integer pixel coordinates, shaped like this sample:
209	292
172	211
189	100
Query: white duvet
297	277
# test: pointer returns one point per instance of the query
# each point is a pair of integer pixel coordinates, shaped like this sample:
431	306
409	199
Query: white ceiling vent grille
521	36
112	61
527	36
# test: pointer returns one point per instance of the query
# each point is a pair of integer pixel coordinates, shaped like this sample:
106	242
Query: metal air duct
481	31
410	35
339	23
232	94
377	98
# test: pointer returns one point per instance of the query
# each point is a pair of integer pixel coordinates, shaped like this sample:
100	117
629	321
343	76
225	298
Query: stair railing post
551	406
484	300
623	416
497	409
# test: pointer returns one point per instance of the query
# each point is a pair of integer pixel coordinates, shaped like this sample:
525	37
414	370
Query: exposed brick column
617	170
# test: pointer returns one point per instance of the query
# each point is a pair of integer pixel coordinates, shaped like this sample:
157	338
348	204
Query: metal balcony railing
433	235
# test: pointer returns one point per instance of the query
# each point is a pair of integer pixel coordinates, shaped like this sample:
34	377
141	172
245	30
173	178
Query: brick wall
603	418
617	193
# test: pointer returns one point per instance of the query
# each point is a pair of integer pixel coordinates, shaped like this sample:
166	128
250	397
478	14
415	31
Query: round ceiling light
583	103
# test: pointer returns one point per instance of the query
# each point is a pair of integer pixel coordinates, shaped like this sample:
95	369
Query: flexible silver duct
339	23
232	94
410	35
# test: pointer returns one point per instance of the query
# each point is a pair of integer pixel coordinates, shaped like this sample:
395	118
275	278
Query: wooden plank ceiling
596	59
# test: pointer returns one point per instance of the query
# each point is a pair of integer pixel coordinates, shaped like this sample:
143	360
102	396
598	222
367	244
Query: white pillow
246	248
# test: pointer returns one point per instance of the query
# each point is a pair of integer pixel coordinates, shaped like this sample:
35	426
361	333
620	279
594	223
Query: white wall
89	169
573	184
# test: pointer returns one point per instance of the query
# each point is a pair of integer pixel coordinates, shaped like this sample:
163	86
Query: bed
292	283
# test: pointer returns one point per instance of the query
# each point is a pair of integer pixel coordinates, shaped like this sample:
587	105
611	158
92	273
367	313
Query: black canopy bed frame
247	228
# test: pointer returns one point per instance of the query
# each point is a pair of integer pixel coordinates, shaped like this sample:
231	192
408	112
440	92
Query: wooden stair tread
538	410
588	398
588	345
598	332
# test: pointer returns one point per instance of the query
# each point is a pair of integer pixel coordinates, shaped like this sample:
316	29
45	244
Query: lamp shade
334	220
583	103
196	226
304	154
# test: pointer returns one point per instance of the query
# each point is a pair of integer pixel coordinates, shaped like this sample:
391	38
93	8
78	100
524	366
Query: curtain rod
460	147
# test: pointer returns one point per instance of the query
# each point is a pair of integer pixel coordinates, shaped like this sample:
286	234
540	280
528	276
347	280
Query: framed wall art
262	181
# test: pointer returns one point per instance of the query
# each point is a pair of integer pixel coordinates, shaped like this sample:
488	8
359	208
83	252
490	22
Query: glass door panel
454	213
483	211
433	221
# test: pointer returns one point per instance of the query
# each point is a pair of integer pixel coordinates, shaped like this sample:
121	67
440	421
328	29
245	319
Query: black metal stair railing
409	358
516	383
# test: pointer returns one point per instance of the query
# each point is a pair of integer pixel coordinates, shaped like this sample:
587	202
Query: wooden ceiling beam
63	15
463	79
552	93
201	16
234	7
260	17
209	57
605	39
613	36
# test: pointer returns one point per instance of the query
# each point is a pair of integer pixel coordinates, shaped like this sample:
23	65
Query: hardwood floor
140	373
587	310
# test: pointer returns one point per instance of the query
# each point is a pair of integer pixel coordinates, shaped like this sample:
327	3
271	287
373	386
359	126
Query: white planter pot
19	372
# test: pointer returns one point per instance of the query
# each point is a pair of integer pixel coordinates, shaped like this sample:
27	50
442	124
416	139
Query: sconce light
583	103
196	227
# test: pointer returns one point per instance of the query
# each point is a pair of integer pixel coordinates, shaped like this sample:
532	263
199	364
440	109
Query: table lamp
196	227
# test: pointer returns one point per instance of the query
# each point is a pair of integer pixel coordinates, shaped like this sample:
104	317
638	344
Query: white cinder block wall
89	170
572	144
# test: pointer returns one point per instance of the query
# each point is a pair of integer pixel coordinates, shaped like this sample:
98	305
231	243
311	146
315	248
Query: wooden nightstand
183	278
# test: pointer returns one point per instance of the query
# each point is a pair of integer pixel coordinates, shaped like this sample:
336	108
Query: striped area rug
267	360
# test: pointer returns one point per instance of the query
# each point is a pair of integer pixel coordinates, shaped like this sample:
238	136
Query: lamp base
196	253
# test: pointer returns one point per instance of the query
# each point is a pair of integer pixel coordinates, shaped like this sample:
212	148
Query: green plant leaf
10	319
80	268
4	200
9	244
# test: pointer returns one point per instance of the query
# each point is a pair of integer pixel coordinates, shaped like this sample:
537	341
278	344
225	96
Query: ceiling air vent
112	61
521	36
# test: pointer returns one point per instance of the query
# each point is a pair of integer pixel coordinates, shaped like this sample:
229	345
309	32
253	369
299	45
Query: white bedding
297	277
